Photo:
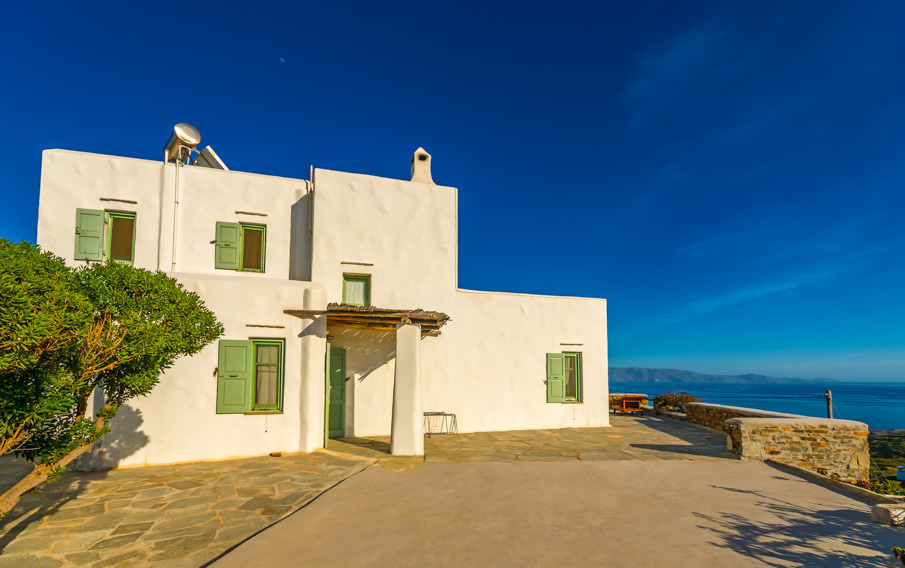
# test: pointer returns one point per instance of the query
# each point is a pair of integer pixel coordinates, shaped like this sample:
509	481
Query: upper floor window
104	235
357	289
240	247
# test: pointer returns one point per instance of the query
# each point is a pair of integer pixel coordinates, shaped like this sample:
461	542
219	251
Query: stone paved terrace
185	515
628	438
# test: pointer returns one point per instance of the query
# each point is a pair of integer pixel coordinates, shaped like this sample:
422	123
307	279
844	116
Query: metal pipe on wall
178	164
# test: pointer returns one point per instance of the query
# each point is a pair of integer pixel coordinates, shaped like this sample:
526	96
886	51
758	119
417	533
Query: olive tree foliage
41	318
66	332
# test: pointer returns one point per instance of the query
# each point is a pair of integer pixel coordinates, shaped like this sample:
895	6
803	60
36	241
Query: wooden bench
630	404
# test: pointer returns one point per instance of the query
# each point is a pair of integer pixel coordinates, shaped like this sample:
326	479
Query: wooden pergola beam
377	319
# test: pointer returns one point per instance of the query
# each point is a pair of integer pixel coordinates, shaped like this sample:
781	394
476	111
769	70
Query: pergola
407	430
378	319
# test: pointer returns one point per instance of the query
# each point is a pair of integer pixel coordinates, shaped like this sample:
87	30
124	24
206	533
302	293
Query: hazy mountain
639	375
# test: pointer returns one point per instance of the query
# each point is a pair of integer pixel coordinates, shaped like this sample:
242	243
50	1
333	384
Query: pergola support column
407	431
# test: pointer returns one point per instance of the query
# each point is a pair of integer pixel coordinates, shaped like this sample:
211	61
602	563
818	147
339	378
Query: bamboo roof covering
379	319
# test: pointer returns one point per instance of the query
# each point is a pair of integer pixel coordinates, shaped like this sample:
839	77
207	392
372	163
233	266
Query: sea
880	405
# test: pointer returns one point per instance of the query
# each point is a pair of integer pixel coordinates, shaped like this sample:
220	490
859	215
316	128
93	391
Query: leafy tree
64	333
42	315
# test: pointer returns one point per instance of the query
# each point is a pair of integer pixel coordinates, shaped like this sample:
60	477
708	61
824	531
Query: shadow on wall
123	440
312	328
369	393
300	240
366	351
814	529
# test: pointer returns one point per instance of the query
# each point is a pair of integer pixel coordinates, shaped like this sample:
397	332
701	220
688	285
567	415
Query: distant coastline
642	375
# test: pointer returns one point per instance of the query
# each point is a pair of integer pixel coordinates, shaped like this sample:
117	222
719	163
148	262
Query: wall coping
629	394
805	420
751	411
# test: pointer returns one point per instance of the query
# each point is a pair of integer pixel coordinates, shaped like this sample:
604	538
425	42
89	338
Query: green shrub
673	401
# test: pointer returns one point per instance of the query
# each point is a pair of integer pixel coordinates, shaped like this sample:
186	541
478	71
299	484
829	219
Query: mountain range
641	375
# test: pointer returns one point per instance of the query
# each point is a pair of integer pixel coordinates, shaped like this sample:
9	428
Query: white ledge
752	411
803	420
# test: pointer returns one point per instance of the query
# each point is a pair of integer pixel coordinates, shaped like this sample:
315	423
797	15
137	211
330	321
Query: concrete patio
645	488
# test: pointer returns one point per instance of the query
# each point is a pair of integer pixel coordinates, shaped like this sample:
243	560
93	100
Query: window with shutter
240	247
249	375
104	235
563	377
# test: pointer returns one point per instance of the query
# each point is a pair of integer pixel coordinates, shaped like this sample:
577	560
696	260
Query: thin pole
829	403
176	204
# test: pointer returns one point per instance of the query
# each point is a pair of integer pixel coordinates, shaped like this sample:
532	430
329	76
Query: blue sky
729	175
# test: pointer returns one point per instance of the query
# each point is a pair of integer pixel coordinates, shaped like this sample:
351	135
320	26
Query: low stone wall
821	445
817	444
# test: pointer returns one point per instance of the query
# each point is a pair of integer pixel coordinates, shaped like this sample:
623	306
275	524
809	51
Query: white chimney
421	166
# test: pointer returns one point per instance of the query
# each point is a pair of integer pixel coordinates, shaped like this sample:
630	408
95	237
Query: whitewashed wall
72	180
405	230
501	341
489	363
488	366
178	420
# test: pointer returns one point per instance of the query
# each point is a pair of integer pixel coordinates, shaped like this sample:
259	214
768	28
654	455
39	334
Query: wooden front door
336	407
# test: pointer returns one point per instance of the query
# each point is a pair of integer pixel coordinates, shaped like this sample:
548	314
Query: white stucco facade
488	365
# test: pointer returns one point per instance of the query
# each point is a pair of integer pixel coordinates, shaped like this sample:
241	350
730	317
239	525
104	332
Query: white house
339	299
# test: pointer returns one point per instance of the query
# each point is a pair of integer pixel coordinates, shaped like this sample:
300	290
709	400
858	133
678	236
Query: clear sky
729	175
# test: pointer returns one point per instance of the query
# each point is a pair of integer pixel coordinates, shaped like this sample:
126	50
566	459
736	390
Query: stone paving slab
627	437
185	515
181	515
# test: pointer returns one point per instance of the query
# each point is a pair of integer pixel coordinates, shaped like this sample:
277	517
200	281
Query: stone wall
818	444
822	445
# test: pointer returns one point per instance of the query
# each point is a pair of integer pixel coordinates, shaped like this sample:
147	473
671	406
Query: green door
336	408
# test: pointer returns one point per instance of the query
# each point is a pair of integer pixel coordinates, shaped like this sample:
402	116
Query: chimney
421	166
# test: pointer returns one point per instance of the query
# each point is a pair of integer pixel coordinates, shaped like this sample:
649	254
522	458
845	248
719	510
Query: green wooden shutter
89	234
556	377
229	246
234	376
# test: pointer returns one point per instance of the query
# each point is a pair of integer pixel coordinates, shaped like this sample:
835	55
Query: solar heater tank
184	138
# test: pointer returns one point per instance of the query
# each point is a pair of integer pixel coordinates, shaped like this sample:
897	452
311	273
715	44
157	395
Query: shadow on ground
814	536
46	500
361	447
